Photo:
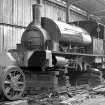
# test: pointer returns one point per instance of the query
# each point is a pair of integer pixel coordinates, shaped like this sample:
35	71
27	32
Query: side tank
66	33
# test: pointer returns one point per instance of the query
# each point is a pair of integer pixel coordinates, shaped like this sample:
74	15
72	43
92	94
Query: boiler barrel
73	35
66	33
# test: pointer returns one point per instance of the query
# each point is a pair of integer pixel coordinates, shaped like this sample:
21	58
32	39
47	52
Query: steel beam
99	11
74	1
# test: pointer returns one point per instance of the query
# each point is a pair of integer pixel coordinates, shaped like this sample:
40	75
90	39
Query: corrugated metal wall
74	16
14	16
9	37
54	11
17	14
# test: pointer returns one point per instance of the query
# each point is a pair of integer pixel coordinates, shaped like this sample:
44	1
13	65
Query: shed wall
15	15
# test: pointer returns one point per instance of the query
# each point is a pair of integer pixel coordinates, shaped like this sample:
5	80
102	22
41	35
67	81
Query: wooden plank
9	37
19	102
26	12
54	12
31	10
20	12
16	36
15	14
5	29
98	46
1	38
7	11
62	14
48	11
42	8
1	10
11	11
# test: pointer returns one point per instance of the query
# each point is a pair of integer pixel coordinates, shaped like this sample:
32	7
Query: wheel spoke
18	76
7	82
7	90
10	75
13	83
14	73
20	83
13	92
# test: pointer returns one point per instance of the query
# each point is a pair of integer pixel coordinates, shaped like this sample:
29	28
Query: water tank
66	33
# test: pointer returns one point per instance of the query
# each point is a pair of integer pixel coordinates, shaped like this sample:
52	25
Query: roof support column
68	11
40	2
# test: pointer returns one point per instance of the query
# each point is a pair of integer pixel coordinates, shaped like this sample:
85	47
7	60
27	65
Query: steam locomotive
46	45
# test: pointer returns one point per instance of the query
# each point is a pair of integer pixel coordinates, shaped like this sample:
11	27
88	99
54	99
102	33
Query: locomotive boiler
45	45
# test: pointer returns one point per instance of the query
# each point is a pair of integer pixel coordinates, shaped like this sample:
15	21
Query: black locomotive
49	45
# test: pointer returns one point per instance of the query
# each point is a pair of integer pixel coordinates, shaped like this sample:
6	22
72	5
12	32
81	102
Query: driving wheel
12	80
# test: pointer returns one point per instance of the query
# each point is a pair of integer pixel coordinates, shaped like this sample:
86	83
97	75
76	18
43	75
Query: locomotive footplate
69	54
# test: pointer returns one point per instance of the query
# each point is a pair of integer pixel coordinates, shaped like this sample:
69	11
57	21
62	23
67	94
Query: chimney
36	14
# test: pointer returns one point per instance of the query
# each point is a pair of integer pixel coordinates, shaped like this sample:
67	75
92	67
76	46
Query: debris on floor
82	96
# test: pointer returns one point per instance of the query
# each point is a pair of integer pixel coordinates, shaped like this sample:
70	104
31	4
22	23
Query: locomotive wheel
12	80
